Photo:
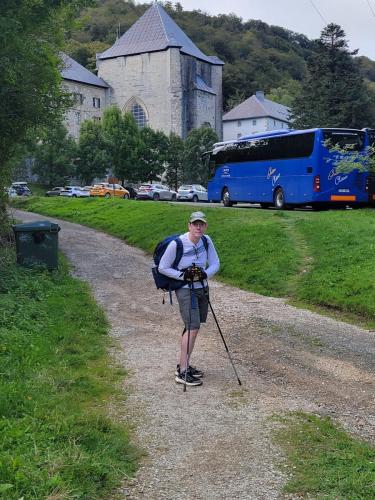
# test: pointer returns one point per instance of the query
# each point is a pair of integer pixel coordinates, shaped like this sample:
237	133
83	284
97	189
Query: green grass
321	259
324	461
56	386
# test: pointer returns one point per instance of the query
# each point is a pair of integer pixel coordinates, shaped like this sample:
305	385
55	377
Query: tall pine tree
333	93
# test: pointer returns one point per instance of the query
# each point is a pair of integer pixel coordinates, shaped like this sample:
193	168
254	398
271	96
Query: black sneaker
190	380
192	370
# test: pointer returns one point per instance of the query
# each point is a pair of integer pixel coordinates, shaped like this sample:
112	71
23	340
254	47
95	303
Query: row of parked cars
156	192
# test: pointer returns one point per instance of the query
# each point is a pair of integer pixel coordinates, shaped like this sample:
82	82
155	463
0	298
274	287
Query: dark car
55	191
132	192
21	189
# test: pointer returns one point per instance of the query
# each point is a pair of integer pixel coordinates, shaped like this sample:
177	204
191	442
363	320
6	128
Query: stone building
91	94
256	114
155	72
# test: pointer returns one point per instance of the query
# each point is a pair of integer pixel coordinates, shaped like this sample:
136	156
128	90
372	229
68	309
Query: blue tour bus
287	168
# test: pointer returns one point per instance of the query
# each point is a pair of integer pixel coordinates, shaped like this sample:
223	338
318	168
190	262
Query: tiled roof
257	107
74	71
153	32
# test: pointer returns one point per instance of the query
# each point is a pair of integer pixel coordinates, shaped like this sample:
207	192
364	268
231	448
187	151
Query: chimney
260	95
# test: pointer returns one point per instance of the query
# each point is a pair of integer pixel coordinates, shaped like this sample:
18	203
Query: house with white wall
256	114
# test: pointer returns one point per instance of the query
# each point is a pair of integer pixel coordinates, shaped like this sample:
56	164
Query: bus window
350	141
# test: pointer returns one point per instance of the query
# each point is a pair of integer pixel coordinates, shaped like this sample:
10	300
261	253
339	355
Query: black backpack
163	282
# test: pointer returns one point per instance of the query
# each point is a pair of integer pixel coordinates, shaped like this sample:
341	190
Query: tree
31	34
333	93
54	156
174	161
93	159
123	142
197	142
153	156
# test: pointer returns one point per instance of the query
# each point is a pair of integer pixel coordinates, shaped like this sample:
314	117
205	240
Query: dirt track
213	442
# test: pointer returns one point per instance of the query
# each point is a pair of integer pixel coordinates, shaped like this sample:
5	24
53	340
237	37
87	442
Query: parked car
21	188
155	192
192	192
132	192
55	191
108	190
74	192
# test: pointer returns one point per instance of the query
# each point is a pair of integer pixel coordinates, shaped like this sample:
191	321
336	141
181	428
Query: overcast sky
356	17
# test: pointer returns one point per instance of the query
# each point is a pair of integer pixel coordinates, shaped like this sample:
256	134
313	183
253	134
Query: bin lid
40	225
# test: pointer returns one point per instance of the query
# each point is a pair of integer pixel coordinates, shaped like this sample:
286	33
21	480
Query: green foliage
323	460
57	383
31	33
123	142
197	142
151	162
333	93
262	251
93	159
54	156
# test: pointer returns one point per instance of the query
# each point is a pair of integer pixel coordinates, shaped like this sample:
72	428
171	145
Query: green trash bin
37	244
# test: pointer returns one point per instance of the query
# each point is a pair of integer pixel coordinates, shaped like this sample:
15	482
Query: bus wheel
279	199
226	198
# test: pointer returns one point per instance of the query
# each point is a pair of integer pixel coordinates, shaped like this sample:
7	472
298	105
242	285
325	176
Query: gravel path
214	441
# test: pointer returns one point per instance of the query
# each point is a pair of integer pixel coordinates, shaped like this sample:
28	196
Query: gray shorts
193	315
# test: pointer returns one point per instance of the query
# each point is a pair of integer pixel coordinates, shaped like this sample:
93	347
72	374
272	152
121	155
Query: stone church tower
159	75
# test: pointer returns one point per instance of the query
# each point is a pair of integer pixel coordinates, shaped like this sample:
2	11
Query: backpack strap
179	252
205	242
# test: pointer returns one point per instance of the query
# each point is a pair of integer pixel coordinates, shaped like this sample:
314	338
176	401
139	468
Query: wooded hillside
257	56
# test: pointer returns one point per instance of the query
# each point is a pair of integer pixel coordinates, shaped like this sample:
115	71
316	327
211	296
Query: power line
370	7
318	11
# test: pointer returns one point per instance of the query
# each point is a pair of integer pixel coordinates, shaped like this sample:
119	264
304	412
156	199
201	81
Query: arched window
139	115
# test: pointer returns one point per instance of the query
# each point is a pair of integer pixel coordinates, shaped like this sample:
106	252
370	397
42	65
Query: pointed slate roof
257	106
153	32
71	70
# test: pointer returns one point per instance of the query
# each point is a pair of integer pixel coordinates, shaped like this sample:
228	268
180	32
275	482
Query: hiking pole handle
223	339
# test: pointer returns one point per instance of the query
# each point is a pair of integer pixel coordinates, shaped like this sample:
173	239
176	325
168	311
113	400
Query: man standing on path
198	263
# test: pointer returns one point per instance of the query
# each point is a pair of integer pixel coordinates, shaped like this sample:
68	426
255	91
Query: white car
192	192
74	192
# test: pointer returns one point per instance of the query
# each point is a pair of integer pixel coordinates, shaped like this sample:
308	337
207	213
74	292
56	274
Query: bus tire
225	198
279	199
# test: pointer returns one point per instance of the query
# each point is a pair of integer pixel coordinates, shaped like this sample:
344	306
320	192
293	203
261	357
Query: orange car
108	190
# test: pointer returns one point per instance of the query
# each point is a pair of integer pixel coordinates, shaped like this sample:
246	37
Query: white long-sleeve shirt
192	254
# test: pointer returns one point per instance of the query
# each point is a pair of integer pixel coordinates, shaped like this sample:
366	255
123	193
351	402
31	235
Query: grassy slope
324	461
55	388
323	259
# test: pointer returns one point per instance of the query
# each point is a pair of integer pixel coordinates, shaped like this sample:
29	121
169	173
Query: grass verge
56	385
323	461
323	259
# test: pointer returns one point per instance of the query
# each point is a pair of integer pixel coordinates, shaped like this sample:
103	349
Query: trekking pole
221	334
188	338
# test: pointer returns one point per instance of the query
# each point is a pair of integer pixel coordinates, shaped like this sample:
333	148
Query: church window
139	115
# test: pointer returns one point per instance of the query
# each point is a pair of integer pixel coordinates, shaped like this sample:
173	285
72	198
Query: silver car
156	192
74	192
192	192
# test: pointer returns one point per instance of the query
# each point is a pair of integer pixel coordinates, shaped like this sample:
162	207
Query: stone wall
84	108
154	79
